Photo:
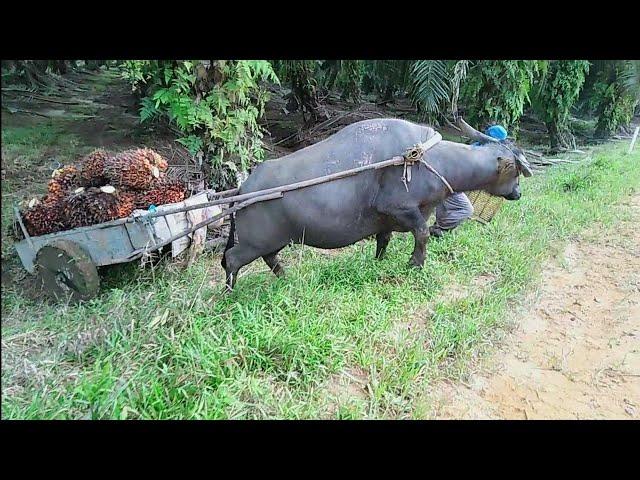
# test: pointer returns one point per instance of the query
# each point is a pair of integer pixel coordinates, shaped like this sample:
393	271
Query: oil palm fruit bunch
134	169
90	206
155	158
66	177
62	180
55	193
165	190
126	203
42	218
92	168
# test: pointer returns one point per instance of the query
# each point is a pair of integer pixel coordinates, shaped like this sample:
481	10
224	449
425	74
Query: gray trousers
453	211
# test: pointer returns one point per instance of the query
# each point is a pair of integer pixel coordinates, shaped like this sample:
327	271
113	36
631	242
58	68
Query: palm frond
630	79
431	84
459	73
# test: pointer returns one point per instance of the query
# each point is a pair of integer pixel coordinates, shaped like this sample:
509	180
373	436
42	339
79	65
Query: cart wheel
67	272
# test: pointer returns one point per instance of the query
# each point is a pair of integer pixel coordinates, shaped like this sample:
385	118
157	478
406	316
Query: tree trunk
387	97
554	138
35	72
559	137
307	97
60	67
333	77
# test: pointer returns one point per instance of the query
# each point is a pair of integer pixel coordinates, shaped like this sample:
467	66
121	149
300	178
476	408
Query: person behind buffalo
457	208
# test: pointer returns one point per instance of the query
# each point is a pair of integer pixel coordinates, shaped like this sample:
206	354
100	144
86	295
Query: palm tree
304	86
630	78
435	85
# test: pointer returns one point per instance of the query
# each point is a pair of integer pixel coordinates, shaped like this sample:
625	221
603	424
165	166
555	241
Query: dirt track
575	353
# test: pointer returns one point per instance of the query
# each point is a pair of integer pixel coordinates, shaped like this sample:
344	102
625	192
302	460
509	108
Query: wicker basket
485	206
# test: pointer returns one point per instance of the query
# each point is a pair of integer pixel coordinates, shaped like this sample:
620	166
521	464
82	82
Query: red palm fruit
126	204
43	218
64	178
92	168
56	193
90	207
165	190
155	158
131	169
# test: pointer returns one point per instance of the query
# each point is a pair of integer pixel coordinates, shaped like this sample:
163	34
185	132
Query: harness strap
435	172
416	153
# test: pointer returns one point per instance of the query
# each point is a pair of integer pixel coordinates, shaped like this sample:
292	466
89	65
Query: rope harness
415	154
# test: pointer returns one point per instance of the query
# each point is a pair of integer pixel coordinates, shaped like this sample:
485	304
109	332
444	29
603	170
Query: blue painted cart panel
110	242
105	244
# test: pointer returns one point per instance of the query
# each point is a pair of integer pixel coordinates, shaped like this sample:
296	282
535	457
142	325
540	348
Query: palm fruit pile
93	205
42	218
62	180
92	168
165	190
103	187
126	204
134	169
46	216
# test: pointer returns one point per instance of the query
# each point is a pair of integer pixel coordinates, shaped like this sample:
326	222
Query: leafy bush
435	85
215	105
615	107
612	92
350	80
430	86
556	94
302	77
386	77
346	75
499	90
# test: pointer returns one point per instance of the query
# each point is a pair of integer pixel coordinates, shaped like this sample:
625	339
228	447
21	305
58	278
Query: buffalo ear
523	165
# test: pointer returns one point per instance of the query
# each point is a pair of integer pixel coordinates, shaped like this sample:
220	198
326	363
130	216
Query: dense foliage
215	105
386	78
498	91
556	94
301	75
435	86
614	97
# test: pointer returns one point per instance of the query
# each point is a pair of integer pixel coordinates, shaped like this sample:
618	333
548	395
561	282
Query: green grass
165	343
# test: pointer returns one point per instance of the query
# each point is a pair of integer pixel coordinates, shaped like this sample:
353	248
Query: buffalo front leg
274	264
414	221
382	240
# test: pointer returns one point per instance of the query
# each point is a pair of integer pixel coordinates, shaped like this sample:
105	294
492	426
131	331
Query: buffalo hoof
436	232
415	263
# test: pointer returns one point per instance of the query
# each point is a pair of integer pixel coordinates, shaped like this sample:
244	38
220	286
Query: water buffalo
374	202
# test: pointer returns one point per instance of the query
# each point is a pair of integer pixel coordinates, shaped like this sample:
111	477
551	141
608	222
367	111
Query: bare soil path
575	352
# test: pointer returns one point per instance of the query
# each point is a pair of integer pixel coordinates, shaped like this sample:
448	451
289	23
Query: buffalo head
510	162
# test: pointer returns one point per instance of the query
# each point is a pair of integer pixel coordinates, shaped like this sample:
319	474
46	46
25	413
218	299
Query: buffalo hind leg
414	221
274	264
382	240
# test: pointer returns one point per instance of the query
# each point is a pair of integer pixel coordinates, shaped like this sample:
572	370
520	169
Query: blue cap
496	131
